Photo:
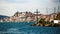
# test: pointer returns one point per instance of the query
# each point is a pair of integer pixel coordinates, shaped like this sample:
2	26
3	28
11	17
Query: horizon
9	7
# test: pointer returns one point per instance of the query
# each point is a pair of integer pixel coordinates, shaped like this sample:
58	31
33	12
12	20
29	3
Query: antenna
47	11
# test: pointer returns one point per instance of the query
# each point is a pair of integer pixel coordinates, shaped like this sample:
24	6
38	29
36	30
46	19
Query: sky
9	7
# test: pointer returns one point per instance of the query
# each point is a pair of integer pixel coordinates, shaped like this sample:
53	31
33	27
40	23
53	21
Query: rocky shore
42	22
47	25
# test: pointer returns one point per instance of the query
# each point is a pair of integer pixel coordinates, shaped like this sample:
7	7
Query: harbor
29	16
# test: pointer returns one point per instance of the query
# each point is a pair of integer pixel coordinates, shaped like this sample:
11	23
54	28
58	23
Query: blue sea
25	28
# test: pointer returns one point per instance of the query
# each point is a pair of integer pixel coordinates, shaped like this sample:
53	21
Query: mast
37	14
58	8
54	9
54	12
58	15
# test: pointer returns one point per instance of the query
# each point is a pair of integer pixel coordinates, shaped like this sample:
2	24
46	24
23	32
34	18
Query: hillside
3	16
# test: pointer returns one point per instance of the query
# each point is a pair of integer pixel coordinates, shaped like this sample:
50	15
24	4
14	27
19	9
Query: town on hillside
29	16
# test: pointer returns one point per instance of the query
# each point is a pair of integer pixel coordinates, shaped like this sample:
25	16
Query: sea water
25	28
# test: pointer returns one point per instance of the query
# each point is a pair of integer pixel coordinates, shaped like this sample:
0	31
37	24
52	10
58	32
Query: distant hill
2	16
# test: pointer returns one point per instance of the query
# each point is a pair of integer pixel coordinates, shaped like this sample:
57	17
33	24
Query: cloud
13	1
11	6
